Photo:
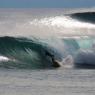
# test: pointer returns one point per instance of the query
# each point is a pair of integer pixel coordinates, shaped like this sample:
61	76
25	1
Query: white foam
4	59
45	27
64	21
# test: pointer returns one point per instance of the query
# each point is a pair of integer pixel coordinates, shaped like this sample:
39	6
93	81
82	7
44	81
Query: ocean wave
25	39
31	53
22	53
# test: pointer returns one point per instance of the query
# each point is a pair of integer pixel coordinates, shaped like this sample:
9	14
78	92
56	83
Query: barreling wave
31	53
28	53
25	39
22	53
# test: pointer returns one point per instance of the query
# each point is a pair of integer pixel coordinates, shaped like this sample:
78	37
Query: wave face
26	53
21	53
26	36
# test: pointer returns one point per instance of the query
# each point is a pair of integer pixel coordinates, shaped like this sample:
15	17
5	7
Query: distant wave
85	16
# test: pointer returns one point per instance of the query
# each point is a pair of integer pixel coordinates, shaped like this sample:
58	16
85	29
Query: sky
46	3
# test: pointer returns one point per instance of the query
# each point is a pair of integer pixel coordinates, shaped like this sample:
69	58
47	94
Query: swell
85	16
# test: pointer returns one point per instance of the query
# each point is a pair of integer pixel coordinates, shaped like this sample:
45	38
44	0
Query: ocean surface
29	38
47	82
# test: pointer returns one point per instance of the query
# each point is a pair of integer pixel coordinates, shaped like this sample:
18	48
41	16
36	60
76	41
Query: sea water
47	82
25	37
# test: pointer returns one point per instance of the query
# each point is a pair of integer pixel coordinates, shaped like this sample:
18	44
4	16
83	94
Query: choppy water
47	82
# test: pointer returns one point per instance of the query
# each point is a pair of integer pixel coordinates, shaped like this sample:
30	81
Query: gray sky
46	3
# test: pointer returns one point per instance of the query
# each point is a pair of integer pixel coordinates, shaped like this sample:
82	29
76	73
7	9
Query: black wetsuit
55	63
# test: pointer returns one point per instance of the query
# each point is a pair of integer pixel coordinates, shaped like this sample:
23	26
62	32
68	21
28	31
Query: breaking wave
25	39
31	53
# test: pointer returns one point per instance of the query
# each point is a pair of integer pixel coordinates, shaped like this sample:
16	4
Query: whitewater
29	38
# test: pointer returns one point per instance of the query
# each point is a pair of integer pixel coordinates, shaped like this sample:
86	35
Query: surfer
54	61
